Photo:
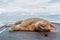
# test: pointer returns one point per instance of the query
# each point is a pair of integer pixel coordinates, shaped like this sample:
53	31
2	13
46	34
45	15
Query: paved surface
19	35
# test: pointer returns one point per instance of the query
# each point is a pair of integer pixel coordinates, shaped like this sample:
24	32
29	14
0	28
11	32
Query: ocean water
15	17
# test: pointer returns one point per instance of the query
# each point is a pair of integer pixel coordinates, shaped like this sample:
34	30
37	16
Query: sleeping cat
32	24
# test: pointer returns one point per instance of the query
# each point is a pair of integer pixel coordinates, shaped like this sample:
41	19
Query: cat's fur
32	24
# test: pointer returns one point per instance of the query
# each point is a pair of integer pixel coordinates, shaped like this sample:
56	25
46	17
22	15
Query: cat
32	24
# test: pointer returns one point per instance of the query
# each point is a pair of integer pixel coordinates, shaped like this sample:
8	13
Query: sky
30	6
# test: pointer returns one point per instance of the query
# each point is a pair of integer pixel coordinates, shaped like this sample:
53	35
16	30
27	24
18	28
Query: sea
13	17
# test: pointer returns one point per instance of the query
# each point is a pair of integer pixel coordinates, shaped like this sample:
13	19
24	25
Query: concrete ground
20	35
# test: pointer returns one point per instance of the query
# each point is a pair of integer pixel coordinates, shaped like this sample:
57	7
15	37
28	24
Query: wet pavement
21	35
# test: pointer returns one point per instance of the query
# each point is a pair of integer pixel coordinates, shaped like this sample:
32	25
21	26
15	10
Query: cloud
26	5
1	10
31	6
54	8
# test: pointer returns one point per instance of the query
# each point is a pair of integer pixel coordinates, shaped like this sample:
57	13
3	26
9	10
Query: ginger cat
32	24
